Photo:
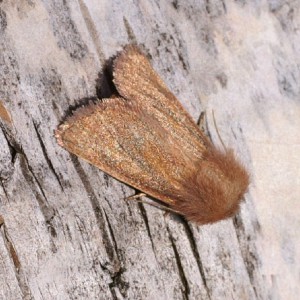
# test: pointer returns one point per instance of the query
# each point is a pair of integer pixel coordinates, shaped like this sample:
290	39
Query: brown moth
145	138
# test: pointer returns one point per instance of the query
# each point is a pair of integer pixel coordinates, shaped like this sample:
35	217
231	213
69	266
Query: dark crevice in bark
20	276
144	215
175	4
29	174
123	190
46	155
4	190
13	153
106	179
92	29
207	6
248	252
130	33
196	254
224	6
108	236
114	242
128	208
11	249
108	202
51	228
116	276
125	200
100	215
47	211
14	148
186	288
202	123
119	283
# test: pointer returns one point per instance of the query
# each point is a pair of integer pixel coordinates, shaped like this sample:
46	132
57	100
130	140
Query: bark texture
65	231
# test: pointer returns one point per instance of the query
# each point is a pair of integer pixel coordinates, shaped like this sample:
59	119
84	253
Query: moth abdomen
217	189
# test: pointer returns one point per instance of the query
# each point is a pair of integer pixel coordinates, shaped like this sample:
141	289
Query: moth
144	137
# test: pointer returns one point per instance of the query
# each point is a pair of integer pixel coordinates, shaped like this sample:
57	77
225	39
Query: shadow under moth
145	138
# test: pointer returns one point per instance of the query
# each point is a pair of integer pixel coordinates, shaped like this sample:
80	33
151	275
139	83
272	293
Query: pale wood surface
65	231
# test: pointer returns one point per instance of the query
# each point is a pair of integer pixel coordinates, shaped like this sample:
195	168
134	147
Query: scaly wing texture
136	80
132	145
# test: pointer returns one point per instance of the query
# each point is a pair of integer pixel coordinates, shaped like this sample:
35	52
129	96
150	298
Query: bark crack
46	155
47	211
14	149
130	33
4	190
114	242
249	257
119	283
20	276
196	254
100	215
145	217
186	288
116	276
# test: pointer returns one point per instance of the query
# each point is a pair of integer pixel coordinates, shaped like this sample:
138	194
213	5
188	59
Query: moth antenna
217	130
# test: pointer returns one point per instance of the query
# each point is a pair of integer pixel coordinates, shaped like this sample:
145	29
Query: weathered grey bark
66	232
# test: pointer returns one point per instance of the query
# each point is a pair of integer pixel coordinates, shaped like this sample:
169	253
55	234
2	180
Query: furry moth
145	138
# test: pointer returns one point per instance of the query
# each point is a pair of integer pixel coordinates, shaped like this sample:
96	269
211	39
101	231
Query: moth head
217	189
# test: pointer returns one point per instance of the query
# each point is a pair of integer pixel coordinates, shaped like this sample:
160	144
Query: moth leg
157	205
136	196
162	207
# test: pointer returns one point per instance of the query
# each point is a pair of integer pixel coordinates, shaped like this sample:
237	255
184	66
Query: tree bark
66	231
